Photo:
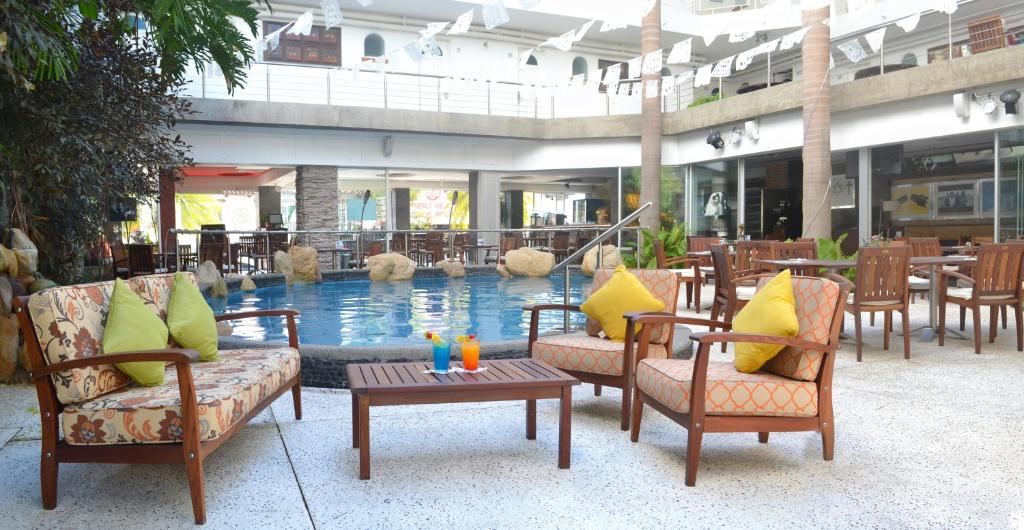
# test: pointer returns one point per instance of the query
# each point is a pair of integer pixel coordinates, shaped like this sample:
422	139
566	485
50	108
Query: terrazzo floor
933	442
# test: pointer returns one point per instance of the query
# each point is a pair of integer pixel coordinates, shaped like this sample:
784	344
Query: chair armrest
176	356
711	337
840	279
290	314
739	279
535	310
667	318
954	274
688	262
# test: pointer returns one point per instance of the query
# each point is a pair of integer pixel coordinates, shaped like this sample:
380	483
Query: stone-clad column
817	102
316	207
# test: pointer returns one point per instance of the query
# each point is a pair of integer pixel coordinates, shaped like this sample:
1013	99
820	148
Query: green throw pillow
190	319
131	326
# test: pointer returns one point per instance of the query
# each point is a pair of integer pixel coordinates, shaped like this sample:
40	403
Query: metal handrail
601	238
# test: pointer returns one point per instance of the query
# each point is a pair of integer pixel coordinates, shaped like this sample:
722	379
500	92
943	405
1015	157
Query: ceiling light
1010	99
715	140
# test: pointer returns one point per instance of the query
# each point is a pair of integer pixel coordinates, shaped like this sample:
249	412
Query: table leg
531	419
355	421
564	428
364	437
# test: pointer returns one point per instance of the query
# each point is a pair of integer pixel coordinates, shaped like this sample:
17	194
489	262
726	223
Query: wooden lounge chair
106	419
592	359
995	282
738	402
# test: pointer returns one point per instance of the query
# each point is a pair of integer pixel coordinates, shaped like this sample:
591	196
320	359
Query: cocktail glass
471	354
442	356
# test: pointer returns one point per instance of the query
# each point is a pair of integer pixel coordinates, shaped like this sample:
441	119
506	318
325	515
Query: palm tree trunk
650	125
817	103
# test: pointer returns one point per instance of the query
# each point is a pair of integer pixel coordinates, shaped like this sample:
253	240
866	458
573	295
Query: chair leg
762	437
976	311
694	436
730	310
857	330
905	320
48	471
696	296
828	438
638	414
1019	315
194	468
963	318
942	320
993	323
597	390
627	401
297	400
887	325
1002	309
689	294
872	321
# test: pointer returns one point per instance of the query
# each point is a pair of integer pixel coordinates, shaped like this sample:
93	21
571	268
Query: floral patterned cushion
729	392
662	283
583	353
226	391
69	325
816	300
155	290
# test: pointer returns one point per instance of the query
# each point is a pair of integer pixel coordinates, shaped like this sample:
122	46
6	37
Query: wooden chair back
998	270
140	260
922	247
882	274
398	243
748	251
723	269
560	241
663	261
798	250
511	242
702	244
981	240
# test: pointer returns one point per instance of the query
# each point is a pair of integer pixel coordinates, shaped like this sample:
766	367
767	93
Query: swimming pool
364	313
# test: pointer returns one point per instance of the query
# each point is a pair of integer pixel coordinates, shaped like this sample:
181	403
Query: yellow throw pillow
190	319
622	293
131	326
772	311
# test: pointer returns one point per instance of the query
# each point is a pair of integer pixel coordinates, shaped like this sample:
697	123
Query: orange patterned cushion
663	284
226	391
816	300
583	353
729	392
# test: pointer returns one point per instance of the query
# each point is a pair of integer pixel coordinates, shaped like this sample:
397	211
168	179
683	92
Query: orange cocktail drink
471	354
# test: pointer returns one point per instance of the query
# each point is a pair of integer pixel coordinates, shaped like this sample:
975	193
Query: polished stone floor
936	441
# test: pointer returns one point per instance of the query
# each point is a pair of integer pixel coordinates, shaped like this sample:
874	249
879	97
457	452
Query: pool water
365	313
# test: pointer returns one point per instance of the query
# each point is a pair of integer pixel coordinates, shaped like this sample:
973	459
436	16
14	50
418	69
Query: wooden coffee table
406	384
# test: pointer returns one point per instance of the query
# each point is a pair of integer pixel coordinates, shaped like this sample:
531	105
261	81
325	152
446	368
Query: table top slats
399	377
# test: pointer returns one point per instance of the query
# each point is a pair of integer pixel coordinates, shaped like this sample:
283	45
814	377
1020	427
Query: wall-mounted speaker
389	145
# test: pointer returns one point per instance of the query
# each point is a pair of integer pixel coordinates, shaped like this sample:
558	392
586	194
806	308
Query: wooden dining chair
798	250
881	286
560	246
749	251
995	282
119	261
920	280
704	263
140	260
686	270
732	292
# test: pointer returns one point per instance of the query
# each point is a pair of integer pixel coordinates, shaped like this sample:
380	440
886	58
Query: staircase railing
601	238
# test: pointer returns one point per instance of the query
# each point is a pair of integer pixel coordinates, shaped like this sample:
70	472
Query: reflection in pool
364	313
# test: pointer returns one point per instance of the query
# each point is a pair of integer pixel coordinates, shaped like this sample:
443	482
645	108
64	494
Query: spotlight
715	140
737	136
1010	99
989	105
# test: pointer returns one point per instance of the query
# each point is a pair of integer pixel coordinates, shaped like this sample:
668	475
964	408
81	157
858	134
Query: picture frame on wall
1007	197
914	201
844	192
956	200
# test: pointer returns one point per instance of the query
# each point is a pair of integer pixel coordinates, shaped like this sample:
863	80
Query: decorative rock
219	289
8	261
25	250
610	257
453	269
529	262
8	346
207	275
247	284
40	284
6	297
224	329
391	266
304	264
503	272
17	288
283	265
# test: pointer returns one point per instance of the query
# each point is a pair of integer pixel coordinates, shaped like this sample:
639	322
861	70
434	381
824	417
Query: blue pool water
364	313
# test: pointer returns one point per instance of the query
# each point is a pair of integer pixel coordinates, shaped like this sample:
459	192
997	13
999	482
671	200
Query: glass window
532	61
1011	189
321	46
772	186
844	199
714	198
579	66
373	46
673	196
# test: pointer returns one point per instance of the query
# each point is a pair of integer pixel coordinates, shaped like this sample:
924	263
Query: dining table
932	262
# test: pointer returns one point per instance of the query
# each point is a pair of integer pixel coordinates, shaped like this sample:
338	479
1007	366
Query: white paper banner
793	39
770	46
910	23
875	39
414	52
583	31
651	89
948	7
608	25
667	86
652	63
332	13
382	64
462	23
683	78
274	39
681	52
744	59
612	74
634	67
303	25
433	29
703	76
723	68
646	6
528	4
740	36
495	14
525	56
562	42
577	80
853	51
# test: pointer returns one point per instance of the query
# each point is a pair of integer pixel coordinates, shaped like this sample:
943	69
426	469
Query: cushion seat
745	292
226	391
850	298
707	271
685	273
584	353
919	283
729	392
968	292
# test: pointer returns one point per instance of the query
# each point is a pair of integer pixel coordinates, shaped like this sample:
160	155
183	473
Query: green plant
704	100
832	250
673	239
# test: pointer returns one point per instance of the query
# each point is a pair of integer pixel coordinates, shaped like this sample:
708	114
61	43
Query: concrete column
485	204
817	103
269	202
514	200
400	200
316	206
167	211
